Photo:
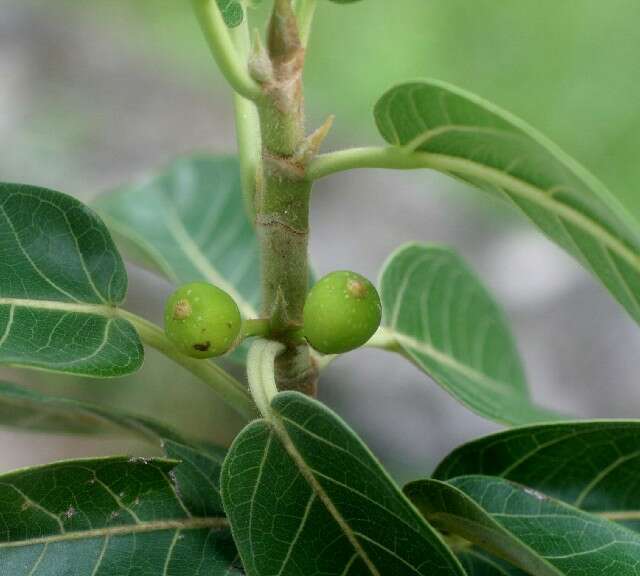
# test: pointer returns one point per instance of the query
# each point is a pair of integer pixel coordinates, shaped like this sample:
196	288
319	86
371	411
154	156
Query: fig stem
255	327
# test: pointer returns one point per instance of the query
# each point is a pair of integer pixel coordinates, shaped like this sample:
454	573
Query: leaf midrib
462	166
316	487
454	521
396	157
309	474
96	309
413	346
26	254
220	523
190	249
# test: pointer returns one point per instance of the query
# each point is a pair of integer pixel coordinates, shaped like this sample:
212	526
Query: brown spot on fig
202	347
356	288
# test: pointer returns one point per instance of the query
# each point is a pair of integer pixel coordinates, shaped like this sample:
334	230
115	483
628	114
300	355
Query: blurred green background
571	68
94	93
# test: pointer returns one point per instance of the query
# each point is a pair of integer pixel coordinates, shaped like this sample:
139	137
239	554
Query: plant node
260	66
312	143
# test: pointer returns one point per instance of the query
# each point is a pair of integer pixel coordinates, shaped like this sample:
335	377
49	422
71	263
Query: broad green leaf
111	517
446	322
30	410
189	224
542	536
61	280
305	496
477	562
462	135
594	466
198	476
232	12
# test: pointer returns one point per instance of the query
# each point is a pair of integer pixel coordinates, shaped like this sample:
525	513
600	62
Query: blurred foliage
569	68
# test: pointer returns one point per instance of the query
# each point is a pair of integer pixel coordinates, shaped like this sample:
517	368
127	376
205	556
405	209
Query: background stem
247	130
224	52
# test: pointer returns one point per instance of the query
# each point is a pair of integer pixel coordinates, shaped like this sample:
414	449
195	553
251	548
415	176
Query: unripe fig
341	313
202	320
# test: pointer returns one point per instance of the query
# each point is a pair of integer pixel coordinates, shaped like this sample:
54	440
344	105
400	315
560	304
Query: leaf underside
111	516
61	279
541	535
29	410
448	324
476	141
304	496
189	224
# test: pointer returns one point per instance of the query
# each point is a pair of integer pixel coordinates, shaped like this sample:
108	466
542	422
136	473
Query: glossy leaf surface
542	536
112	516
61	280
594	466
305	496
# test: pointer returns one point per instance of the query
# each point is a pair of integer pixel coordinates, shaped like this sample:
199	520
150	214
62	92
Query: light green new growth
223	49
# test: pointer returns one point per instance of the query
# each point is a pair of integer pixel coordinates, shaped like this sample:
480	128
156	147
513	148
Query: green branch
402	159
225	385
372	157
232	66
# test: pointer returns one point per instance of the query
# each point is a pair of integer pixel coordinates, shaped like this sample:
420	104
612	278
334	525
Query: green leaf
594	466
198	476
232	12
477	562
444	320
461	134
305	496
61	280
541	535
111	516
30	410
189	224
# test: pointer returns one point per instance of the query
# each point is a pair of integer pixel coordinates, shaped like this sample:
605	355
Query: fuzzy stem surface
282	202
